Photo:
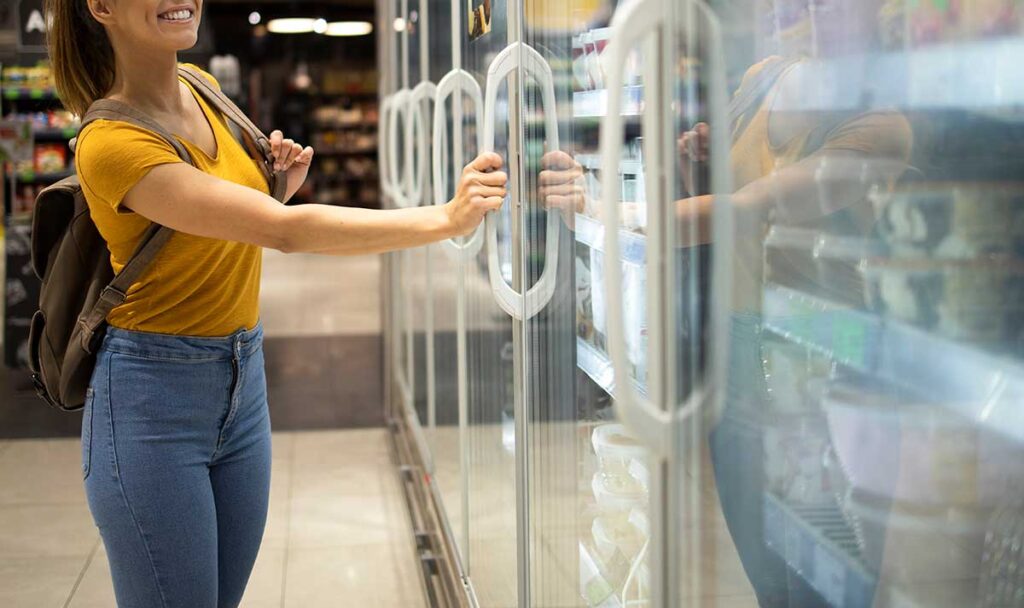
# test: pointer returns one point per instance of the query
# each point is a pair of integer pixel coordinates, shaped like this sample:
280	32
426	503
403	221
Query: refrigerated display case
747	330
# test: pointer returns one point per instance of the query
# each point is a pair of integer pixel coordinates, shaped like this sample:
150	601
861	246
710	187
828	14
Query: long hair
81	55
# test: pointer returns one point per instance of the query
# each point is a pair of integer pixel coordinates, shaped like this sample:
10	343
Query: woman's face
164	25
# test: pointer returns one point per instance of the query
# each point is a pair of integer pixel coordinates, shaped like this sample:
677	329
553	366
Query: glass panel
445	272
491	437
589	488
867	447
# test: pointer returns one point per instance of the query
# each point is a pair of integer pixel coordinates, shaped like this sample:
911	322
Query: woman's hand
693	152
481	189
291	158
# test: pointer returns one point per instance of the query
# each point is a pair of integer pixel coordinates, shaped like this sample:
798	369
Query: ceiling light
349	28
320	26
255	18
292	25
399	24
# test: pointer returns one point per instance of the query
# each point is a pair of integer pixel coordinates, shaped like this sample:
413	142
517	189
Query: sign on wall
32	26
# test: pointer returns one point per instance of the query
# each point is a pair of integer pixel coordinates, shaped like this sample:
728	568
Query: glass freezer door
856	166
591	480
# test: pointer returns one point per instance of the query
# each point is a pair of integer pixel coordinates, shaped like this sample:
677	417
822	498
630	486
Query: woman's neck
147	82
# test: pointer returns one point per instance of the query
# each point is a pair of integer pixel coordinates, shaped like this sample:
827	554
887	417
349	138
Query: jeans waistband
241	343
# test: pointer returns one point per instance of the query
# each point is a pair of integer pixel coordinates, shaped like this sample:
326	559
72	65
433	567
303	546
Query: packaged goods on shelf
33	77
915	24
793	376
25	198
616	449
794	459
50	158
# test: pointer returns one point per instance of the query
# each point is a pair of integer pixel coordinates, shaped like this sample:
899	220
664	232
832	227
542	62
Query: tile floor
337	533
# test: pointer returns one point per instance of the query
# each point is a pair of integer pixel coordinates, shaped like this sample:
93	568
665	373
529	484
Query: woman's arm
183	198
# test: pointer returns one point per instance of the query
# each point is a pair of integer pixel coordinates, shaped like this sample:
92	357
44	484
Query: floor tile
332	521
96	589
333	448
34	471
267	580
38	582
46	531
383	576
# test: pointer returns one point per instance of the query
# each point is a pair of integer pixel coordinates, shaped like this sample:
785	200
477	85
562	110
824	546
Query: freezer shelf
593	162
984	387
981	74
818	545
598	367
591	232
594	104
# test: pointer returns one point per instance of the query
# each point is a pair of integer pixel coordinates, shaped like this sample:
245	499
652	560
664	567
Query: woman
176	435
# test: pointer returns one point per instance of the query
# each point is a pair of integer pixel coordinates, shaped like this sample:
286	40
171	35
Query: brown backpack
72	260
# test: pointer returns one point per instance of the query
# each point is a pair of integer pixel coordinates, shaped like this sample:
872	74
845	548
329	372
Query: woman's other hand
291	158
481	188
693	151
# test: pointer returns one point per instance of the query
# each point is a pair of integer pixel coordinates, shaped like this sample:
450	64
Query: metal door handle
518	305
462	83
630	25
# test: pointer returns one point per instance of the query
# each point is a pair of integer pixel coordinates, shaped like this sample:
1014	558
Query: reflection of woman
799	167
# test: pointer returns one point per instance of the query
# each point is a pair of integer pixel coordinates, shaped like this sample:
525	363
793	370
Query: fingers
562	189
275	143
488	191
569	203
560	177
305	157
488	161
558	160
495	178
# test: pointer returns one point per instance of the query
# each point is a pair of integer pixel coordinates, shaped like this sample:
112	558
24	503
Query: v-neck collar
206	111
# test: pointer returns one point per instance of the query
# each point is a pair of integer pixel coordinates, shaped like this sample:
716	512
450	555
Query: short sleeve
111	157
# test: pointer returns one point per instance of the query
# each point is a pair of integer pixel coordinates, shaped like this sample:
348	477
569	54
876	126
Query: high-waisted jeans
176	462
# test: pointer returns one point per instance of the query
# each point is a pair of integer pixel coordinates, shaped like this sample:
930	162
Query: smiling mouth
177	16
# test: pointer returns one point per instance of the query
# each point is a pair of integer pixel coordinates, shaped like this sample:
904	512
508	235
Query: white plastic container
615	449
610	501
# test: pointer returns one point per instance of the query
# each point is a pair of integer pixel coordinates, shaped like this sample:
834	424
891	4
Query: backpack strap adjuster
113	295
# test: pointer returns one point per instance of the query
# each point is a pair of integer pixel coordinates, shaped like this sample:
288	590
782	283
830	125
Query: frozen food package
634	305
975	300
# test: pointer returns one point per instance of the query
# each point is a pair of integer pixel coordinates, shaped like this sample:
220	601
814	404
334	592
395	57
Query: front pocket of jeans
90	398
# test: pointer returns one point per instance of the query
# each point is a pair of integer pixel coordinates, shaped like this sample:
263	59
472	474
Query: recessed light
291	25
349	28
320	26
255	18
399	24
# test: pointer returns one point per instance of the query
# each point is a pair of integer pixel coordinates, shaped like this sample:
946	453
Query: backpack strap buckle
113	295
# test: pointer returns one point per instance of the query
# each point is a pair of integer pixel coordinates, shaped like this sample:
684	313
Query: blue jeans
176	462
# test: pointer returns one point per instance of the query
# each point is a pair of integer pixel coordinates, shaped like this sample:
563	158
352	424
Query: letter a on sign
36	23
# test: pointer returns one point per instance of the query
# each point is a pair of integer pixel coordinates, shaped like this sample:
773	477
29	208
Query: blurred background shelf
591	232
594	104
598	367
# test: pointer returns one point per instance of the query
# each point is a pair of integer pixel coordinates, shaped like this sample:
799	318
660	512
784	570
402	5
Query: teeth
181	15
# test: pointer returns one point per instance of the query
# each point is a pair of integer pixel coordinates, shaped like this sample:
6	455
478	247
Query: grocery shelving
593	162
982	386
598	367
594	104
591	232
820	547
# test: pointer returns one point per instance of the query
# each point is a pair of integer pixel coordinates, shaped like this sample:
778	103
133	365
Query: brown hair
81	55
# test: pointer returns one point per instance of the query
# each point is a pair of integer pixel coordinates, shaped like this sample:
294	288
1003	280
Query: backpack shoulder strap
254	138
110	109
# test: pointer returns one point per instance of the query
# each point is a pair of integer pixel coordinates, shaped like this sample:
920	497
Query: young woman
176	433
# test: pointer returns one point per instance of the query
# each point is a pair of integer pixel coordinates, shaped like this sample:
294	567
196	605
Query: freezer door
594	484
490	440
860	163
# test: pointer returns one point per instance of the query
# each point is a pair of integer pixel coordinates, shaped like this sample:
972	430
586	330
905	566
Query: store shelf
55	134
16	93
984	387
594	104
596	364
982	74
820	547
593	162
591	232
40	178
347	152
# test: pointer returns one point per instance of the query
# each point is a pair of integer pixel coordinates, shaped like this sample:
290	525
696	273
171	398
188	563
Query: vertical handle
383	156
399	180
458	82
631	24
518	305
418	121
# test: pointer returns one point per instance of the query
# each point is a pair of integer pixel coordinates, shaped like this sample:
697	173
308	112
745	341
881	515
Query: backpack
70	257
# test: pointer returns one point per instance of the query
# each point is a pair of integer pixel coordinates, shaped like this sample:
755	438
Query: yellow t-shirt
196	286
